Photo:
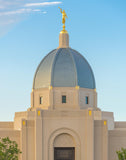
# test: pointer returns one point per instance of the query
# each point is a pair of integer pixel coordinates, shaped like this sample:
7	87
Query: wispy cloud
19	11
12	11
1	7
44	12
4	4
8	22
42	4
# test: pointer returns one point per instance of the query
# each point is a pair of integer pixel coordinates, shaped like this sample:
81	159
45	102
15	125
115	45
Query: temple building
64	121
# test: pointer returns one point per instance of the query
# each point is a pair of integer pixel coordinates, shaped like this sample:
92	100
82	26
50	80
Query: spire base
63	39
64	31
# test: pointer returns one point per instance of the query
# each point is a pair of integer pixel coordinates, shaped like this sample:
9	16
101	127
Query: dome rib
74	64
53	65
89	68
39	67
63	70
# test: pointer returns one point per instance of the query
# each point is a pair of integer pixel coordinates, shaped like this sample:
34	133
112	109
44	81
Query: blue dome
64	67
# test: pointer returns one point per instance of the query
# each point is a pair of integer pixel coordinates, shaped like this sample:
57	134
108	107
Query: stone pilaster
38	135
24	139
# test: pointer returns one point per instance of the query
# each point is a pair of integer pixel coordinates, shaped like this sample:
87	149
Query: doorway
64	153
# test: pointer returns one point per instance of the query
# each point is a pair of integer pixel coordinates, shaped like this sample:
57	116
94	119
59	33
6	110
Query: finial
64	16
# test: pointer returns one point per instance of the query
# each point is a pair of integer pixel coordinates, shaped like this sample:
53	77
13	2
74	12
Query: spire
64	36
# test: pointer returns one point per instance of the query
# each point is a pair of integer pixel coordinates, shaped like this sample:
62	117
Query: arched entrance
64	144
64	147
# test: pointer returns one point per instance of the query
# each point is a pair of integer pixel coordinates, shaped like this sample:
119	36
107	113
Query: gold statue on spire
64	16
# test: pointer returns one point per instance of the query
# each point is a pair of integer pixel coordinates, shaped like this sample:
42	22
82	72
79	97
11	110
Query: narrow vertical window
41	100
86	100
63	99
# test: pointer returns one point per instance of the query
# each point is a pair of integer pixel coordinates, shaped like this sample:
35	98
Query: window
41	100
86	100
63	99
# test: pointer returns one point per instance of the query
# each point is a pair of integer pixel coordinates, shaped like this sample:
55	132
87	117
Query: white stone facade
51	124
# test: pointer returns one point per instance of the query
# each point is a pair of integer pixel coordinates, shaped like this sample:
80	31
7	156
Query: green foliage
121	154
8	149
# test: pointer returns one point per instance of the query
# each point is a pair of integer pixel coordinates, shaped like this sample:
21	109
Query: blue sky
29	29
